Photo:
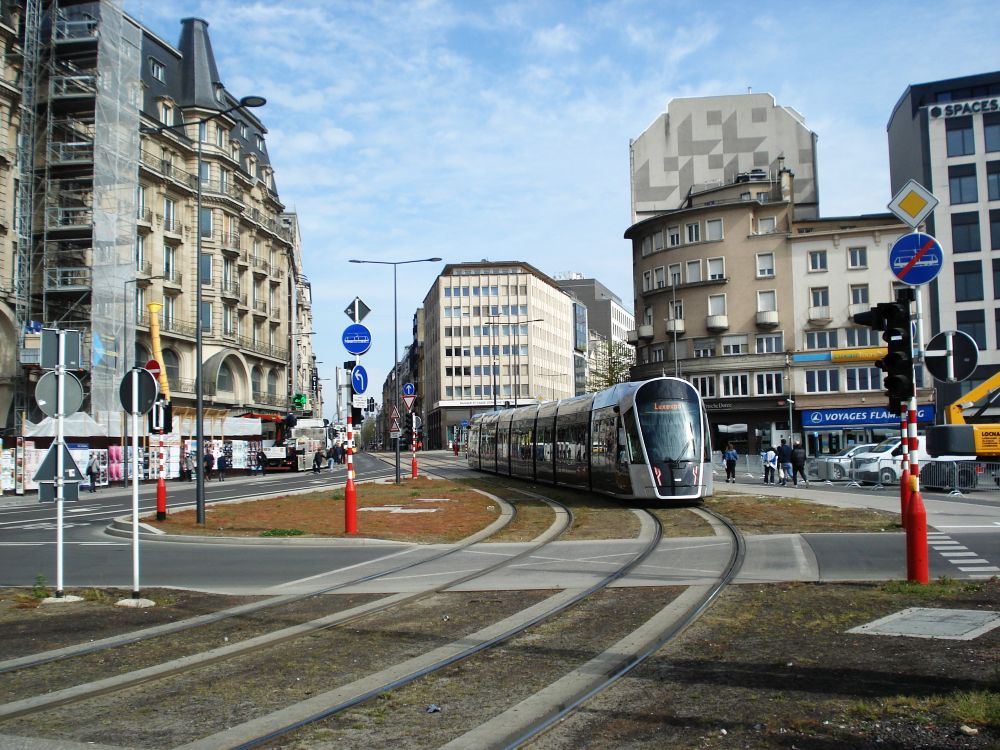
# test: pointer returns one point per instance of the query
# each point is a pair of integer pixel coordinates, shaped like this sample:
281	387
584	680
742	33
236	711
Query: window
995	229
658	241
647	280
857	257
693	232
206	222
675	311
140	251
168	308
172	364
864	379
762	196
659	277
859	337
859	294
224	380
767	301
765	225
693	268
206	316
819	296
958	133
657	354
673	236
965	232
968	281
220	136
717	269
962	184
991	130
169	215
704	348
765	265
822	381
713	229
166	114
770	343
260	143
817	260
705	385
169	263
993	180
734	344
272	383
717	304
735	384
769	383
228	320
206	269
157	70
821	339
973	322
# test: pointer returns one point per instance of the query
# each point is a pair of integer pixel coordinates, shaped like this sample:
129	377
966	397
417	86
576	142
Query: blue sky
500	130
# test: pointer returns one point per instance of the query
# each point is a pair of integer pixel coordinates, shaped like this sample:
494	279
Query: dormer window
260	143
157	70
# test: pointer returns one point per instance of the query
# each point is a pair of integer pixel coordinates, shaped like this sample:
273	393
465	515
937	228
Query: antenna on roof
749	89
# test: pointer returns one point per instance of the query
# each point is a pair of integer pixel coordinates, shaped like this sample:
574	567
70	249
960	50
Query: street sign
408	400
47	468
49	355
153	368
359	379
913	203
916	258
394	414
47	492
409	390
395	434
147	390
357	310
358	401
357	339
47	394
951	356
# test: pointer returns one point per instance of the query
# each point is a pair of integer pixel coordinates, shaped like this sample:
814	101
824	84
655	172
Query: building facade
753	307
120	168
946	136
495	334
714	140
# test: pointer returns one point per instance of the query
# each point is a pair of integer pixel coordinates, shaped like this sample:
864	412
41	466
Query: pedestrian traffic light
299	400
371	404
893	319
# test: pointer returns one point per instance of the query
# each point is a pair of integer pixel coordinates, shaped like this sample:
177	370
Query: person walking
770	465
318	461
262	462
222	464
785	459
209	463
730	457
192	466
799	464
93	470
331	456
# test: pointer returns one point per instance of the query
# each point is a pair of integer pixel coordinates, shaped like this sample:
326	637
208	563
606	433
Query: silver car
838	465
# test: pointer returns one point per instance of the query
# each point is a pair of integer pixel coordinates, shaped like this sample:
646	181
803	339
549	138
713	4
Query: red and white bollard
350	493
904	477
161	484
917	570
413	451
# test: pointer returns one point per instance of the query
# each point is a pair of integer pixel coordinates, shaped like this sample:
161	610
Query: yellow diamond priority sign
913	203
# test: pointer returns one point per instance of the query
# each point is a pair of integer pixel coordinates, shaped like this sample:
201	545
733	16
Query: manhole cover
920	622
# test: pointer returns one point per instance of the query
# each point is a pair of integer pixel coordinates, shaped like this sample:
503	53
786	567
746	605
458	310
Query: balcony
185	385
717	323
218	187
173	277
144	215
172	225
675	326
632	337
230	289
259	308
144	268
178	327
645	333
228	241
853	310
270	399
260	266
820	315
767	318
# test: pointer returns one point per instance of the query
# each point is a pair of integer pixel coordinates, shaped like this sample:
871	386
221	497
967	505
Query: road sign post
137	392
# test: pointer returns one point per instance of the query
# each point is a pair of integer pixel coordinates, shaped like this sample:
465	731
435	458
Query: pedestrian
209	463
318	461
192	466
730	457
785	459
331	456
93	470
799	464
222	464
770	465
262	462
455	445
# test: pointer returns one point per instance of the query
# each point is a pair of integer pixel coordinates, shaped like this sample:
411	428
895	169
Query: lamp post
395	330
517	357
675	279
493	359
245	102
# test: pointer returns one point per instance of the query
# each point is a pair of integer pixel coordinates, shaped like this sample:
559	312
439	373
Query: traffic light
893	319
299	400
371	404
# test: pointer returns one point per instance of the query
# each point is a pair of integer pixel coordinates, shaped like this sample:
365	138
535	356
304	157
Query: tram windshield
670	421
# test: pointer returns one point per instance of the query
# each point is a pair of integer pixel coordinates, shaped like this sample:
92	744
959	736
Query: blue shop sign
859	416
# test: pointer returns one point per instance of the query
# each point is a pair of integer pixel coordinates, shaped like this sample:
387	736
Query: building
946	136
753	307
495	334
719	140
109	115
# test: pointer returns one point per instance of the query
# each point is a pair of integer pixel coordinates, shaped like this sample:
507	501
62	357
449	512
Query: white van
883	464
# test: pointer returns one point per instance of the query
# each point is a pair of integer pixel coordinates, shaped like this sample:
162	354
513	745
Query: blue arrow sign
916	258
357	338
359	379
409	390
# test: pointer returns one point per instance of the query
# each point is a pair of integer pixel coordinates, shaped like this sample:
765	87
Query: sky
472	130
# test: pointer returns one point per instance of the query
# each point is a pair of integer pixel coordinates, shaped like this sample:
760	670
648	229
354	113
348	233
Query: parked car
882	464
838	465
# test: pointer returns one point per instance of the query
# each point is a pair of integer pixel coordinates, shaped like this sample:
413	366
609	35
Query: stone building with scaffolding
99	218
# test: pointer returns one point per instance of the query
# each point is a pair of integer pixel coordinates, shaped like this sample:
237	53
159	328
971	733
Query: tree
609	362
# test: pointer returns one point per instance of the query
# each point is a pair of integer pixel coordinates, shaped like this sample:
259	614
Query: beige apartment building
495	334
754	308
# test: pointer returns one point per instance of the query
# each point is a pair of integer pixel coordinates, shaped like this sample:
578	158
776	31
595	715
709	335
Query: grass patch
282	532
756	514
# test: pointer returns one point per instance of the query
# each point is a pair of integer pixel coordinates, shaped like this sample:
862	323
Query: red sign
154	368
408	400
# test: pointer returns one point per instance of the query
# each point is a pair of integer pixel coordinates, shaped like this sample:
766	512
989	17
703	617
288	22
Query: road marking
958	554
981	569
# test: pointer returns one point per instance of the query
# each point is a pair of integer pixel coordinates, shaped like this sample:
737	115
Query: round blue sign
409	390
357	338
359	379
916	258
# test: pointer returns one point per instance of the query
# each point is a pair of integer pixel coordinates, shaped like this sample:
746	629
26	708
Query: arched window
257	381
224	382
172	364
272	383
142	355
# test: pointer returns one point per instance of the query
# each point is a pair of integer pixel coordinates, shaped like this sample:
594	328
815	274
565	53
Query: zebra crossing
965	560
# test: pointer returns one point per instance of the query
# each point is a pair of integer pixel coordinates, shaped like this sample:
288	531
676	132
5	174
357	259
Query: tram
643	441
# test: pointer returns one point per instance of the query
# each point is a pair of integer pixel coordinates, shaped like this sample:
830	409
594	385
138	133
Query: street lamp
245	102
675	279
493	359
395	329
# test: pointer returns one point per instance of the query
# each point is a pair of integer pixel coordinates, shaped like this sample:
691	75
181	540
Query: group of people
780	464
336	454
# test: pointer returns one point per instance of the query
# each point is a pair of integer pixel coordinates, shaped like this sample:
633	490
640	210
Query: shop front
750	424
831	430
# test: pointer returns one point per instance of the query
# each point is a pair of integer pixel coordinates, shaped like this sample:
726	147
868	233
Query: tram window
634	445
